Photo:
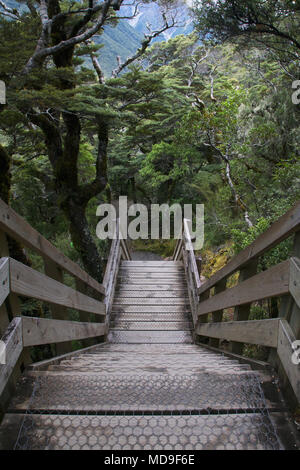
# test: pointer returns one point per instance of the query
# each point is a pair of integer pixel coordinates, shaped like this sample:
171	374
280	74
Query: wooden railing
119	250
184	250
18	280
280	281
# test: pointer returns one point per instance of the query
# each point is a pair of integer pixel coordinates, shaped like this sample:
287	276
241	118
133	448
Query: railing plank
279	230
262	332
15	226
285	350
30	283
37	331
13	342
270	283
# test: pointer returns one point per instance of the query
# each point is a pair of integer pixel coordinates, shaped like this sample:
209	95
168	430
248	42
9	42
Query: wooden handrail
30	283
29	331
271	283
191	254
184	250
118	250
16	227
277	232
37	331
281	280
262	332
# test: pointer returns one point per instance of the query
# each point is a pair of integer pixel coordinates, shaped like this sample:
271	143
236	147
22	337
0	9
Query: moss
164	248
214	261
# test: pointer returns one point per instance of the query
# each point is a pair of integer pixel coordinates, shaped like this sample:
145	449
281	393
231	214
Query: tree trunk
83	240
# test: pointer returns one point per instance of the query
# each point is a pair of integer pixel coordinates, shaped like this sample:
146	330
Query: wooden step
121	294
145	275
151	287
152	269
160	264
117	308
150	325
150	301
159	337
149	317
143	432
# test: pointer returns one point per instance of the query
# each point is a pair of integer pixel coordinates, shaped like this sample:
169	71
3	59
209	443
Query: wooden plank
161	264
151	301
151	287
148	269
294	284
262	332
151	325
149	308
270	283
285	351
30	283
4	279
131	294
38	331
151	282
15	226
13	342
280	230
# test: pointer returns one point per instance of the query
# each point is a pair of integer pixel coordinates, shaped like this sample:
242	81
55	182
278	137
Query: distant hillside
125	38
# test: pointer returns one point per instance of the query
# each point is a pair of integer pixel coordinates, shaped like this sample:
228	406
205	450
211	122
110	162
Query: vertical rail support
8	310
242	312
290	312
4	314
84	316
58	312
203	318
199	265
218	315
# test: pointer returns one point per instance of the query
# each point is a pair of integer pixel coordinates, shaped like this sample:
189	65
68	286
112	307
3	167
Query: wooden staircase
159	380
151	304
148	389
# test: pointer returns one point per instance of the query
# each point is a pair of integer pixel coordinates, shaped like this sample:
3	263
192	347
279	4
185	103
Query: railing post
84	316
199	265
11	308
241	313
218	315
58	312
289	311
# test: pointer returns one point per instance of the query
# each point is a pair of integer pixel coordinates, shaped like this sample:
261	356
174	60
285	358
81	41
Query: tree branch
42	50
144	45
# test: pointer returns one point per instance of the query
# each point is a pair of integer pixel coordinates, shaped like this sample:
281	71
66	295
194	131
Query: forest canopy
203	117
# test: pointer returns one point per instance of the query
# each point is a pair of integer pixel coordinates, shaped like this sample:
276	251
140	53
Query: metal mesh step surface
126	336
185	412
141	432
